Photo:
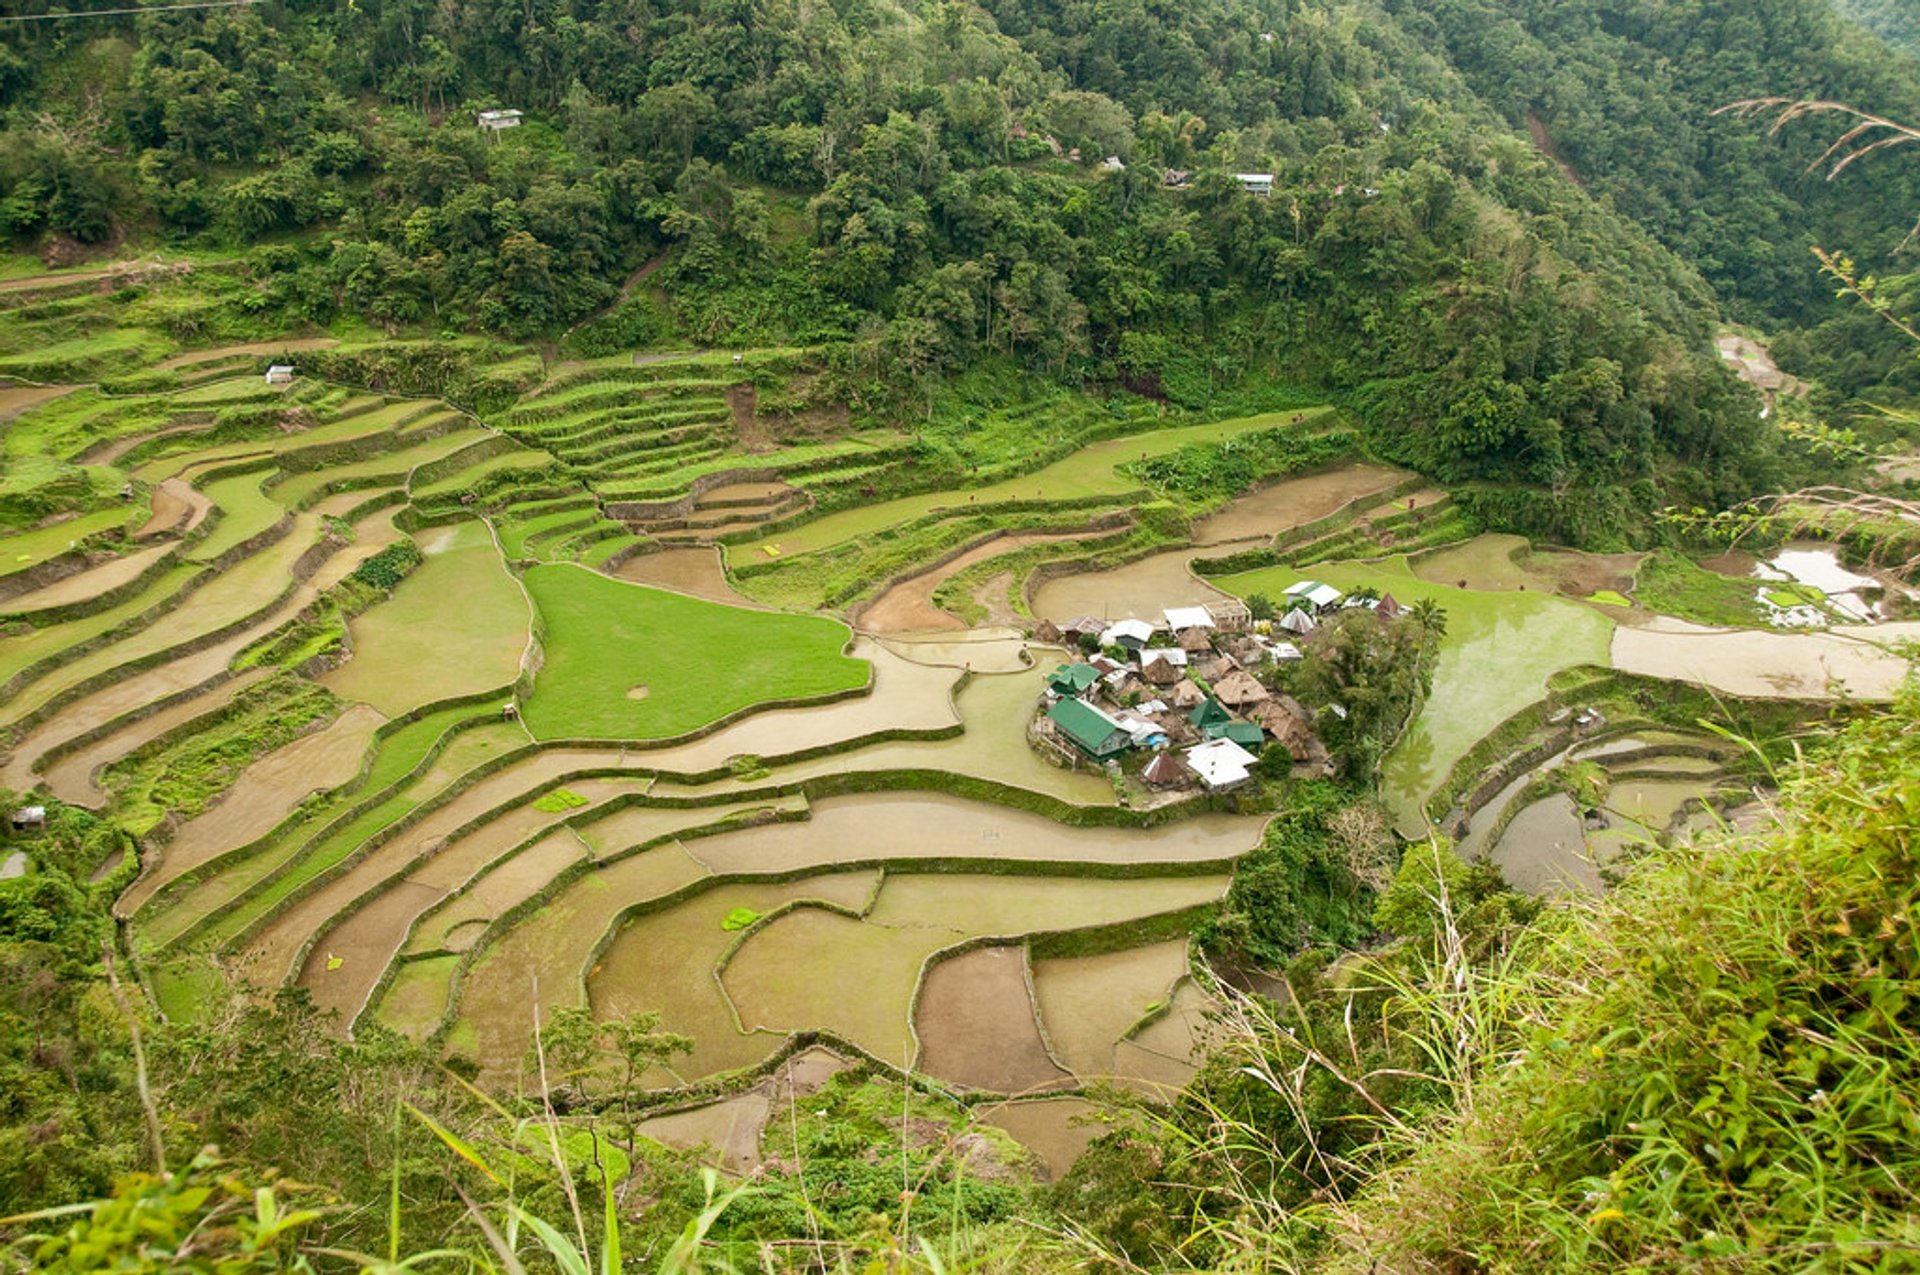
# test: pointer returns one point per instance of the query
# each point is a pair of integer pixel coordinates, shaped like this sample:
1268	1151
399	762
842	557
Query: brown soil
84	585
71	778
1581	575
264	795
908	606
741	398
15	399
383	923
992	594
1537	130
976	1025
693	571
761	493
176	507
192	357
1289	503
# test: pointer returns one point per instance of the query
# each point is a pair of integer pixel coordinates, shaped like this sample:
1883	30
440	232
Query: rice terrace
458	685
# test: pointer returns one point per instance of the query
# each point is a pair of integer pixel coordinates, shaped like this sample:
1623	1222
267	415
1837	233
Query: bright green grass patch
455	626
739	919
396	466
1499	650
1610	598
30	548
1795	595
627	662
1676	586
245	512
1091	471
558	800
525	458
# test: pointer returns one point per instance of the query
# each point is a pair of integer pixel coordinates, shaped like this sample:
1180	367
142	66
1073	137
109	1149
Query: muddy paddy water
872	827
1144	588
793	972
1090	1003
976	1024
1499	650
1761	663
1056	1130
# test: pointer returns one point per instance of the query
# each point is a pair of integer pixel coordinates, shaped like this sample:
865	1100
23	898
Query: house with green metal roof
1208	716
1072	680
1245	734
1092	731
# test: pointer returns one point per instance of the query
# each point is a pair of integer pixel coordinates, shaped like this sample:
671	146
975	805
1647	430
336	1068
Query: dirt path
176	507
1537	130
85	585
294	346
15	399
908	607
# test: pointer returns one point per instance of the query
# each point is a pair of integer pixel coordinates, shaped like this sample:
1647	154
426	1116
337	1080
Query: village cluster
1187	690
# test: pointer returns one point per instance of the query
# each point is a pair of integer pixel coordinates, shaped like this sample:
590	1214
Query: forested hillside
1895	21
921	190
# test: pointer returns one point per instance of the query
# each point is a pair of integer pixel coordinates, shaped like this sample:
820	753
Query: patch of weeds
739	919
558	800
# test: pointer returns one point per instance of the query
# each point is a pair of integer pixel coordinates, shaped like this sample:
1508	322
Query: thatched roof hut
1163	673
1195	640
1185	694
1240	690
1047	632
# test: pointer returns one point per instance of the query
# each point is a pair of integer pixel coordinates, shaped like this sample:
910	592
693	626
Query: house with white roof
1315	594
1179	618
1221	763
1132	634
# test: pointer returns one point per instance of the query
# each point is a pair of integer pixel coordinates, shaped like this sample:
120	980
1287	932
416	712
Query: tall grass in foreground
1714	1067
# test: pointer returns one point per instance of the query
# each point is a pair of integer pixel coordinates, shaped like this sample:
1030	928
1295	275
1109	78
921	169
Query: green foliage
640	322
1295	889
697	661
558	800
386	569
738	919
1707	1066
203	1220
181	774
1234	465
1672	584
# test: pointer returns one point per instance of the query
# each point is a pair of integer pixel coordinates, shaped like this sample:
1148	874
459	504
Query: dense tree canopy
927	188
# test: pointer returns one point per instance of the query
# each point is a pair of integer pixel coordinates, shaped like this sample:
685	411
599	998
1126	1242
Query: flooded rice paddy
1144	588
